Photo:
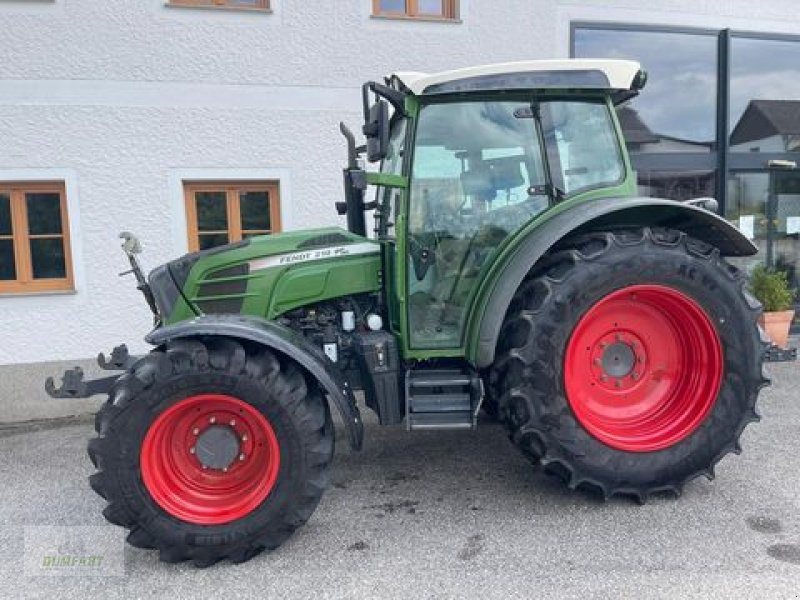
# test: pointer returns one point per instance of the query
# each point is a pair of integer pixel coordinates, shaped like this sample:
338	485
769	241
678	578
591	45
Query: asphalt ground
454	515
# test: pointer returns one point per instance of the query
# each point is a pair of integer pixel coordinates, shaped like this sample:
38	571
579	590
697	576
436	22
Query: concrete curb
22	395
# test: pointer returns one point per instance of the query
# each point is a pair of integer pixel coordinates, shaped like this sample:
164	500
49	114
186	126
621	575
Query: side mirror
376	129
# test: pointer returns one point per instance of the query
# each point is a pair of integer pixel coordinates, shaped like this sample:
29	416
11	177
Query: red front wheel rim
643	368
210	459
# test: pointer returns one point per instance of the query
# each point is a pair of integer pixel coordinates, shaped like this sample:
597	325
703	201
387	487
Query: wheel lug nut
618	383
244	437
191	450
212	420
618	337
196	431
205	467
598	362
224	469
634	376
603	378
241	457
233	423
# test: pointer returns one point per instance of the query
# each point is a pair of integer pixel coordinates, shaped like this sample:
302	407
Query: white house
114	113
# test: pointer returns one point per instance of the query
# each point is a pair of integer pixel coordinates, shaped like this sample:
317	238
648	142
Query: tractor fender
595	215
283	340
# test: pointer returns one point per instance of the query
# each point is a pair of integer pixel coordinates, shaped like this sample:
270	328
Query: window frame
263	5
232	207
450	11
24	282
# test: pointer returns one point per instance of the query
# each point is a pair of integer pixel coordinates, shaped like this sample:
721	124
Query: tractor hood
267	276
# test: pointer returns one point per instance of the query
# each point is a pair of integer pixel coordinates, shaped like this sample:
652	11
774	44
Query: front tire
209	449
630	362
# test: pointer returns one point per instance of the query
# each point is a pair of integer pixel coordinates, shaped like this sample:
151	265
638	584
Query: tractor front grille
223	291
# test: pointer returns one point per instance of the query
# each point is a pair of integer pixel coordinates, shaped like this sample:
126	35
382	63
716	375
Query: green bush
772	289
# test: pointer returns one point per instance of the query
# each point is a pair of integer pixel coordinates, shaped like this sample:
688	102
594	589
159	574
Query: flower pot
777	324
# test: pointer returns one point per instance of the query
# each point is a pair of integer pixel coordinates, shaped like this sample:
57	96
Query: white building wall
124	99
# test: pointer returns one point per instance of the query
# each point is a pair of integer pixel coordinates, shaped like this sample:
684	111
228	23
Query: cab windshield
483	170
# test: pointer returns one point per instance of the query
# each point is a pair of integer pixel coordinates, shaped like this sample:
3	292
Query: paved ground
453	515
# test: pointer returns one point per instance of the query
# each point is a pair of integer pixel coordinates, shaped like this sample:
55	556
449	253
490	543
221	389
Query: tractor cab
469	159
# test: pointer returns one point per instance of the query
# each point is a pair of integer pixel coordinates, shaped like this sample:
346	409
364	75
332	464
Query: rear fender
597	215
283	340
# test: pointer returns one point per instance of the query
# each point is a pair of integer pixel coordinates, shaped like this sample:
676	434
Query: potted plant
771	288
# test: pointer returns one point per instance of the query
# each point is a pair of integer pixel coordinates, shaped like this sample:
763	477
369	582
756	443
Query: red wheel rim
187	489
643	368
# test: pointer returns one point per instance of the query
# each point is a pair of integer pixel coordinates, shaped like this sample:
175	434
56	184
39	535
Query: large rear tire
630	362
209	450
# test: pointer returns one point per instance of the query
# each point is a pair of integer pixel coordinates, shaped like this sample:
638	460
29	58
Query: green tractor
512	269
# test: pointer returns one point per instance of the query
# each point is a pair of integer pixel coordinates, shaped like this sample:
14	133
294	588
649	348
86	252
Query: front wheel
630	362
209	449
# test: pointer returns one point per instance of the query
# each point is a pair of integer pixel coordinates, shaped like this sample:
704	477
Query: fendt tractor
512	269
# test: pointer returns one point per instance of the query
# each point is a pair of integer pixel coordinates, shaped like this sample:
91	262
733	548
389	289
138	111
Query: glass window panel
211	240
212	211
587	153
393	164
430	7
677	111
765	96
677	185
766	208
5	214
747	197
784	235
395	6
47	258
44	213
251	234
8	270
254	208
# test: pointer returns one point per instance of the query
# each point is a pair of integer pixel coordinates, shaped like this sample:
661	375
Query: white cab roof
619	73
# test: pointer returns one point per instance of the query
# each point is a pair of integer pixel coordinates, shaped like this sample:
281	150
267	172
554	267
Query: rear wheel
209	450
630	362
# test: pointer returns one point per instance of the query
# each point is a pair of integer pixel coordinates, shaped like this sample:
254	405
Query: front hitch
73	384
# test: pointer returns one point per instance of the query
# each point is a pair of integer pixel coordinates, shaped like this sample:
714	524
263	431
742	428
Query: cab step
442	399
